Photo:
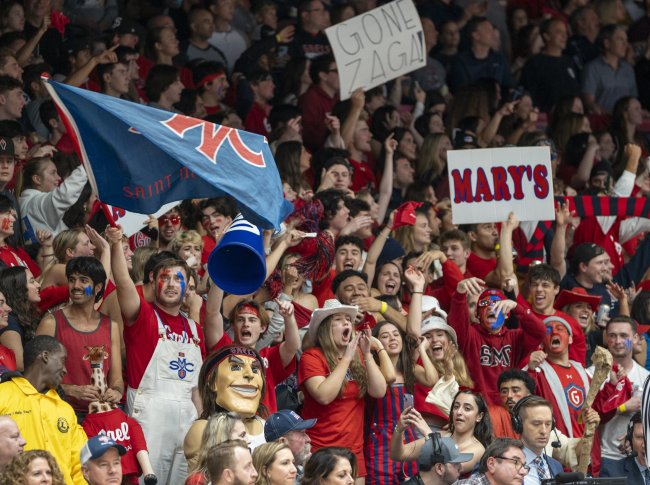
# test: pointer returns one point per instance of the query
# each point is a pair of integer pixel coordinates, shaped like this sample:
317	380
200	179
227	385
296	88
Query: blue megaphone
238	265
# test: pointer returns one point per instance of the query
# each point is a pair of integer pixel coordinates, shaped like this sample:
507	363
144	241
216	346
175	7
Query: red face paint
163	278
6	224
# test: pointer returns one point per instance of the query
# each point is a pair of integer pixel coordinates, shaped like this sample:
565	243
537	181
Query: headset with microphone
518	423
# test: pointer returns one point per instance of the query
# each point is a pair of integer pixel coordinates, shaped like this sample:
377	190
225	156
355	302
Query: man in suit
633	466
532	417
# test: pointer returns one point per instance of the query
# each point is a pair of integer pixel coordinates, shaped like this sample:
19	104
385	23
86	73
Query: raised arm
289	239
25	52
385	364
127	294
459	312
558	245
377	246
357	101
79	77
505	264
416	282
213	326
426	374
102	247
376	381
291	343
409	418
386	182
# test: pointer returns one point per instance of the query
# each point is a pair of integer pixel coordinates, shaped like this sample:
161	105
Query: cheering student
156	333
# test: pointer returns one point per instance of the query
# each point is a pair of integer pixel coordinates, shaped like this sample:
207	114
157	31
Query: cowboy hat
330	307
575	295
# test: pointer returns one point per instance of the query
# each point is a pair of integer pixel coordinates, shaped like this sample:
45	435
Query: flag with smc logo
139	158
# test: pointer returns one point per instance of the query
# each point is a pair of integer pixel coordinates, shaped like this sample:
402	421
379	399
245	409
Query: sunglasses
173	220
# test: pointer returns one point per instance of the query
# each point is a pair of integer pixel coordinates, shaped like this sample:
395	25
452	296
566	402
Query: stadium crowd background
446	317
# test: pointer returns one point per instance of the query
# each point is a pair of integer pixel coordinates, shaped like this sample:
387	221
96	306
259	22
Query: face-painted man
490	318
490	347
165	352
557	339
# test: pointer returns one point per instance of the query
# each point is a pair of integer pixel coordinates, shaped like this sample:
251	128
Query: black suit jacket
626	467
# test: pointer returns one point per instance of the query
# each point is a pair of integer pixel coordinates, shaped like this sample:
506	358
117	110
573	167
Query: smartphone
368	322
408	400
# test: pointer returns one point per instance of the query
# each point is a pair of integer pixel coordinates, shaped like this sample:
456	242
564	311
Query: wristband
414	292
384	307
622	408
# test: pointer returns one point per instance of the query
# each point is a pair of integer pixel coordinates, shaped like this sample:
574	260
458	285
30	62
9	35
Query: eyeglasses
333	70
515	461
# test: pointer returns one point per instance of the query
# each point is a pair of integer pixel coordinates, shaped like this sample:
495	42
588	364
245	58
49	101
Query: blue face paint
549	329
628	343
500	320
88	290
182	283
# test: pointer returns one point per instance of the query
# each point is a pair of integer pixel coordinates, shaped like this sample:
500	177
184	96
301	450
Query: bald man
11	441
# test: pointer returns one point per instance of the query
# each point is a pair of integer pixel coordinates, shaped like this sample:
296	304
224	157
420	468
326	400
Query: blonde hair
429	164
138	261
461	372
263	458
63	241
325	342
217	430
184	237
404	235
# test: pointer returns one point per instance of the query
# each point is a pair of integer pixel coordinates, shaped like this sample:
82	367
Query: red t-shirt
340	423
256	120
141	338
363	176
208	245
125	431
480	267
274	371
7	360
323	289
19	257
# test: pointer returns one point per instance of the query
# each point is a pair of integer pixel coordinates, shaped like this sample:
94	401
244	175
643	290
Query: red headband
249	309
210	77
214	359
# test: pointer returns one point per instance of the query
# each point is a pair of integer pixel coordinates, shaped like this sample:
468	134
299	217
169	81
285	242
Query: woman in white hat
335	376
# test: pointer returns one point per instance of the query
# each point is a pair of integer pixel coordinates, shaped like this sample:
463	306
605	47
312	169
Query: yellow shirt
47	423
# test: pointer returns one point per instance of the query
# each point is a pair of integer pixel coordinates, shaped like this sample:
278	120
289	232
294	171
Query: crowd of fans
390	342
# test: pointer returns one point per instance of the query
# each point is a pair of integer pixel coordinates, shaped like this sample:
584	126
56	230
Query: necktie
646	475
541	469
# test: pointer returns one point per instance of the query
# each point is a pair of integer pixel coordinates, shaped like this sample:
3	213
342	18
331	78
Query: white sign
377	46
486	185
133	222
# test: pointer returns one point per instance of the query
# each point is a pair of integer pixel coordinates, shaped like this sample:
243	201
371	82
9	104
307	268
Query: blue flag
139	158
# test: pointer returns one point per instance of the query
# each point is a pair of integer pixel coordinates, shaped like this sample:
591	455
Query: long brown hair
405	364
325	341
